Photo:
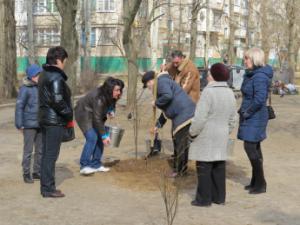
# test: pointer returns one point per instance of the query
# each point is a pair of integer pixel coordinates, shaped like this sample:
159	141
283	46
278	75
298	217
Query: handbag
68	132
271	112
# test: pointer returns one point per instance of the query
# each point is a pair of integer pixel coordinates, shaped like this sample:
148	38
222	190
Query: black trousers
51	138
181	149
211	182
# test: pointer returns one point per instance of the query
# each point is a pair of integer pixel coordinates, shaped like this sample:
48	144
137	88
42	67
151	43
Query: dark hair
106	90
56	53
177	53
219	72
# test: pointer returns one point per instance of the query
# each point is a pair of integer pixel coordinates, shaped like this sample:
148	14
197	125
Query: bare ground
130	193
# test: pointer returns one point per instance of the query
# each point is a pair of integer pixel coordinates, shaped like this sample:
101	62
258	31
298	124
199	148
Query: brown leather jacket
187	76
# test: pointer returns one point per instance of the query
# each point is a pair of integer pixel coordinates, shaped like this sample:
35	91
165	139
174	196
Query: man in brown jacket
185	73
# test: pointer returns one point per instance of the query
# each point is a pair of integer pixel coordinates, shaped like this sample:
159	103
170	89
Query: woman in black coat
91	112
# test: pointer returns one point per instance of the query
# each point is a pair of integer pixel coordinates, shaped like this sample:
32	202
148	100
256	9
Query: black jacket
91	111
55	107
26	115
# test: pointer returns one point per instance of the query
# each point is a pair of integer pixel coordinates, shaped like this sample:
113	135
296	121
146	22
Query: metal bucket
115	134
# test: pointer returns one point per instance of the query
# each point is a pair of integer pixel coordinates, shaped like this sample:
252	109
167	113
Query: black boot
27	178
36	176
249	186
260	185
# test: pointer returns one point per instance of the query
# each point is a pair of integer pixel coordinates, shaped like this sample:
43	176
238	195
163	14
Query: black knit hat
149	75
219	72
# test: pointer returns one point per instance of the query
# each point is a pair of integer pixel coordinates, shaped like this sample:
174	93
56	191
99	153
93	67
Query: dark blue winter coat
26	114
174	102
253	111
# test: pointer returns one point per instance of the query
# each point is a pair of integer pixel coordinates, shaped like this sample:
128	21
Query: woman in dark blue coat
254	114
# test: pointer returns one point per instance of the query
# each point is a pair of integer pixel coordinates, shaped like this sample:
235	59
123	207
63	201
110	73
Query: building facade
171	30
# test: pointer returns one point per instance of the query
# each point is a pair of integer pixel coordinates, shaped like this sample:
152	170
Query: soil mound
148	175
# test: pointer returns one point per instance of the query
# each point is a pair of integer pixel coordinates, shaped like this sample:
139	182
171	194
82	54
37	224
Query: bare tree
197	5
30	28
266	32
130	9
250	26
87	33
291	13
8	73
170	195
69	37
232	29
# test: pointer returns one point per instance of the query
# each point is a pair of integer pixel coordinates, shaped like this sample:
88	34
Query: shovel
154	145
153	148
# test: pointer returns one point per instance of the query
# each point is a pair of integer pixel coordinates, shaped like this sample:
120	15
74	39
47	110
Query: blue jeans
92	151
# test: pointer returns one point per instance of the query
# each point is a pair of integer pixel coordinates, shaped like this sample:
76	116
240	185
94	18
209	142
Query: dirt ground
130	193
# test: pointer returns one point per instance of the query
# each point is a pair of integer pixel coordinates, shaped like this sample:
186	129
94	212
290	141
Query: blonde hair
256	55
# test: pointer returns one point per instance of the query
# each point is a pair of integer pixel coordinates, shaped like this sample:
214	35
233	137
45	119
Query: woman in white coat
213	122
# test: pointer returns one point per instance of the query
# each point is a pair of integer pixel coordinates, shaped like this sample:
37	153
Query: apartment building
170	31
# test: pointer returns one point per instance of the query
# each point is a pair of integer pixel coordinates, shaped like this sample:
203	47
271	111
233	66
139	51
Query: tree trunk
87	31
232	29
264	28
194	29
249	25
207	39
31	50
69	36
291	33
8	73
179	45
130	9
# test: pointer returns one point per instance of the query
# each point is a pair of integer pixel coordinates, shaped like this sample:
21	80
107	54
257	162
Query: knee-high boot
260	184
249	186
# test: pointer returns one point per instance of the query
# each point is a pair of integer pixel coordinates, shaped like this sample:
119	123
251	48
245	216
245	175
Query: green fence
118	65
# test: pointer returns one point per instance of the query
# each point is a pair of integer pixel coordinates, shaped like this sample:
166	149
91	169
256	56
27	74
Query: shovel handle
154	108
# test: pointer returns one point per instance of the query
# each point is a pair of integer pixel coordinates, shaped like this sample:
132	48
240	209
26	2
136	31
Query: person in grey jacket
213	122
26	120
178	107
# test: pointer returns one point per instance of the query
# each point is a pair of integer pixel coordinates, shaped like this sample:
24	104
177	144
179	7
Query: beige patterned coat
213	122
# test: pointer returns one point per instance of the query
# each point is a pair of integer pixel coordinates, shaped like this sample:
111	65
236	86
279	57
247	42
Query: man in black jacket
55	112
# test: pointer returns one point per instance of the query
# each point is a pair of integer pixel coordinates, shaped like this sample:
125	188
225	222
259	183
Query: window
190	12
245	4
226	32
106	6
47	37
92	37
170	25
20	6
217	16
143	10
162	11
44	6
243	23
237	2
22	36
106	35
